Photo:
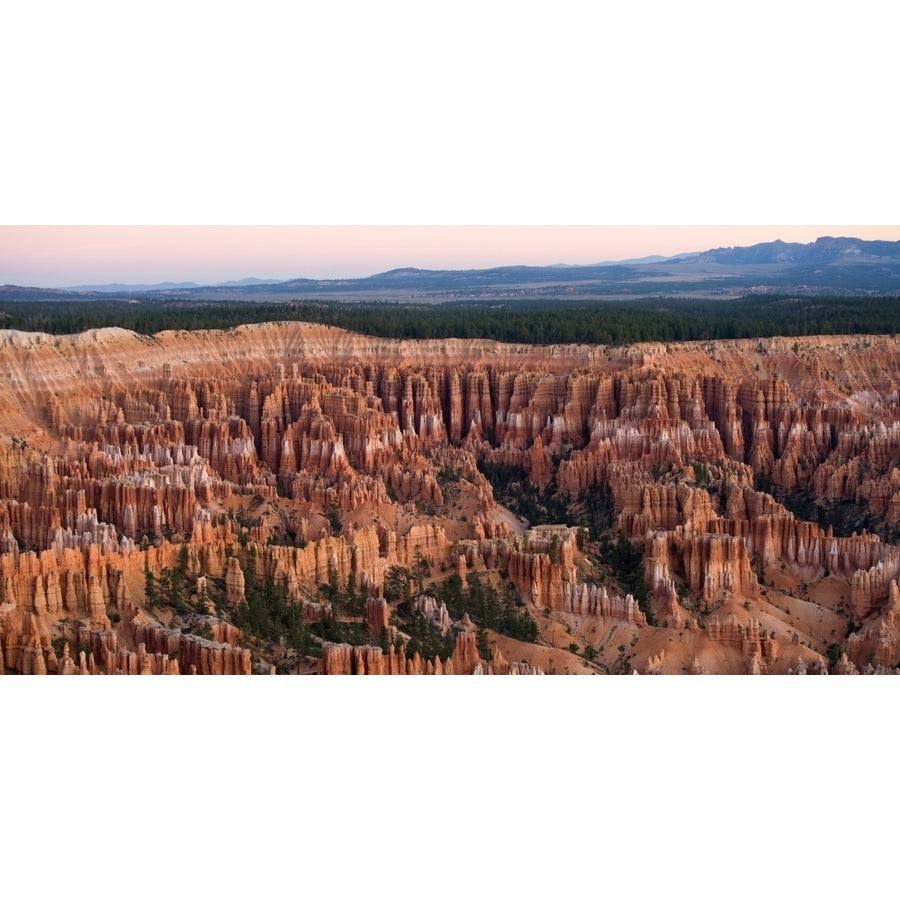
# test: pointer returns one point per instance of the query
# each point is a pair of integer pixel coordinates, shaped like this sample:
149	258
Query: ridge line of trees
547	321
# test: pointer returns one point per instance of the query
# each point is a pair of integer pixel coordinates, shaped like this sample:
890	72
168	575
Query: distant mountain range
822	251
162	286
829	265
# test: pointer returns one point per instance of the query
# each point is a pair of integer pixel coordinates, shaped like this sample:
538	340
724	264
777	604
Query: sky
631	123
69	256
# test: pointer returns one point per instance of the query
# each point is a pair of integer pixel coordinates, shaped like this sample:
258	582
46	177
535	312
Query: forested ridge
558	321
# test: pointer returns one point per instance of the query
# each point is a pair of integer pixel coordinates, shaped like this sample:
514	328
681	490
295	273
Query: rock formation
146	481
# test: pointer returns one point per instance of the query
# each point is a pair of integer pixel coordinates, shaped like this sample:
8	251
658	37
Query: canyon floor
294	498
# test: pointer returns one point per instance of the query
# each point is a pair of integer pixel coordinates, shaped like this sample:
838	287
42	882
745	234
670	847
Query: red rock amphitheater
304	458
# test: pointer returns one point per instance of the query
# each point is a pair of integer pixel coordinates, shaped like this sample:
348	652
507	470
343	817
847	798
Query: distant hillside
163	286
822	251
842	266
19	293
131	288
249	281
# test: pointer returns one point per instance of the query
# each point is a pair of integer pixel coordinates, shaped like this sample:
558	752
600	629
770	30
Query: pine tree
481	642
151	588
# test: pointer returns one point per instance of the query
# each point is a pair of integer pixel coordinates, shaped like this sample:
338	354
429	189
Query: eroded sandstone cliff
168	503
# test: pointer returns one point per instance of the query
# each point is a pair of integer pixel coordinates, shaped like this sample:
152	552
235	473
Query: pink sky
63	255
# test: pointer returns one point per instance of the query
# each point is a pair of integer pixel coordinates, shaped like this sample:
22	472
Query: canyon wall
304	456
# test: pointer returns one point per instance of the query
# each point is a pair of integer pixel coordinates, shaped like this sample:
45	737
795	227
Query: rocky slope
298	498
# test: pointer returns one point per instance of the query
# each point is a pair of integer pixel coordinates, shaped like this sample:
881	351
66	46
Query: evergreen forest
545	321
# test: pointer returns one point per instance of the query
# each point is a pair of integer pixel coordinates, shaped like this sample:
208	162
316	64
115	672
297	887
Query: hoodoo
298	498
